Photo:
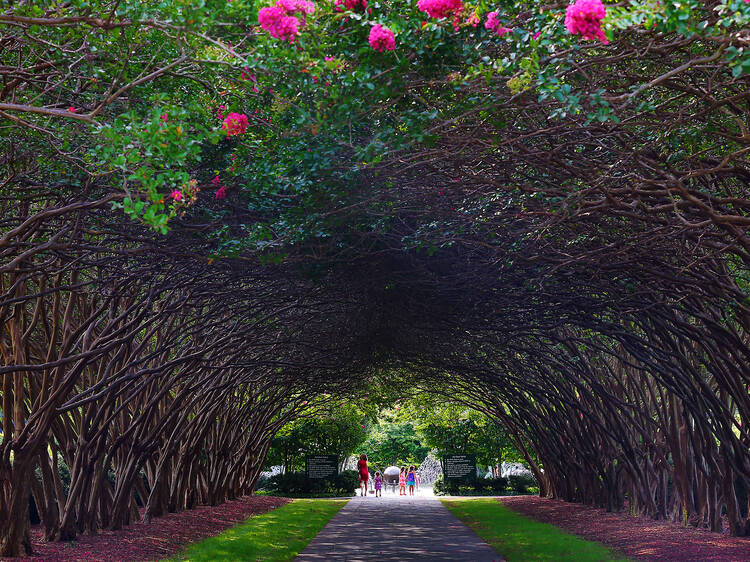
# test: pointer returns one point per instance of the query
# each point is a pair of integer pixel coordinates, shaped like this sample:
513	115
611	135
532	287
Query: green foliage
518	538
452	428
333	431
322	110
280	534
394	444
520	483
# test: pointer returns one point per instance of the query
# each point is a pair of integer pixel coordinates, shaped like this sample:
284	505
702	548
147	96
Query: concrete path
397	528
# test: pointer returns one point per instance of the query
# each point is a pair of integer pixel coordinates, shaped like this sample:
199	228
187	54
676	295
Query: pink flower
176	195
72	109
439	8
473	20
221	193
245	75
216	181
382	38
584	18
537	35
293	6
235	124
275	20
351	5
493	24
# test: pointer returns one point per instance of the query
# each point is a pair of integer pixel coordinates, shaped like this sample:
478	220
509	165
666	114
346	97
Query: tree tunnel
550	229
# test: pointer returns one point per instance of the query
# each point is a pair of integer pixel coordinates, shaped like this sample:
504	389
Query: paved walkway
397	528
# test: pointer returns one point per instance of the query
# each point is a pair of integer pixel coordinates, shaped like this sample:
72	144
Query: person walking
411	479
364	474
402	482
378	484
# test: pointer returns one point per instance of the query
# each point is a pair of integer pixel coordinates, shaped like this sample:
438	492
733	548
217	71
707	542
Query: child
411	479
364	475
402	482
378	484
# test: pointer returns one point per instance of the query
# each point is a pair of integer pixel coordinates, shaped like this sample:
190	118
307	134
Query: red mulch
639	538
161	538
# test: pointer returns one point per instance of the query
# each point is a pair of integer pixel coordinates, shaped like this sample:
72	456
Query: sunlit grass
518	538
280	534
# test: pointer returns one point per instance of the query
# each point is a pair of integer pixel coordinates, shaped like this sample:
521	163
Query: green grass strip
280	534
517	537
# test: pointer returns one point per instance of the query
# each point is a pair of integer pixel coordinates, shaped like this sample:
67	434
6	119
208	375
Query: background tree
451	428
394	443
338	430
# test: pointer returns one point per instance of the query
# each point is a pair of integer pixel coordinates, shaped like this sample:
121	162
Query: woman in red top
364	475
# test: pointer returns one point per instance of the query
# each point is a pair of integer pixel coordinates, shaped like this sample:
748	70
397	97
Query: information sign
459	467
319	467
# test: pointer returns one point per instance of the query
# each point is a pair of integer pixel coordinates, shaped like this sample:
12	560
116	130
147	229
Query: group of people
406	478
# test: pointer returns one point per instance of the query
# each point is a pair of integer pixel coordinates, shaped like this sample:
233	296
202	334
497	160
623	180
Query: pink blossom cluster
381	38
235	124
472	20
493	24
439	8
297	6
279	20
221	192
351	5
584	17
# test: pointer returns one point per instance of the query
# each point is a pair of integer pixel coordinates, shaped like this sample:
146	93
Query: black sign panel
459	467
321	466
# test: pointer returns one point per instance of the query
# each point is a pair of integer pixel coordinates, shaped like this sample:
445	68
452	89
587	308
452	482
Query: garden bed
639	538
161	538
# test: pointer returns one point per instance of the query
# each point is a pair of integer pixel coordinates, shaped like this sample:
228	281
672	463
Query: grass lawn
517	537
279	534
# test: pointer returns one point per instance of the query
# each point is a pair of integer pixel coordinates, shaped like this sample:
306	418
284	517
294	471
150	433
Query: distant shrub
482	486
347	481
297	484
520	483
497	484
441	488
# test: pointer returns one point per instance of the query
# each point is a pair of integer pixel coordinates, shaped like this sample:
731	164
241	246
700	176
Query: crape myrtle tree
150	382
215	211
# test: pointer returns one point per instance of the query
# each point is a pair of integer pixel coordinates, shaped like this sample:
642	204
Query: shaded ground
636	537
397	528
161	538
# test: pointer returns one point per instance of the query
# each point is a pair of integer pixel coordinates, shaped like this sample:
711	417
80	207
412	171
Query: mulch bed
639	538
163	537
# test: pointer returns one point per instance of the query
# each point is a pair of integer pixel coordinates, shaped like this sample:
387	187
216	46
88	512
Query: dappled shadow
397	528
